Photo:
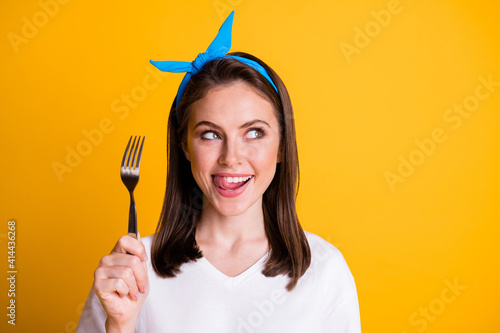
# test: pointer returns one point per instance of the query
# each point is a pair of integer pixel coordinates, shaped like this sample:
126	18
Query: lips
233	187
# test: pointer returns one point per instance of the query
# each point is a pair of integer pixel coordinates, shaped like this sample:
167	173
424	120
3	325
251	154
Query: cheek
203	158
264	157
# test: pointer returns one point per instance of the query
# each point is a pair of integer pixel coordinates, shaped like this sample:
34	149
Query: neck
215	228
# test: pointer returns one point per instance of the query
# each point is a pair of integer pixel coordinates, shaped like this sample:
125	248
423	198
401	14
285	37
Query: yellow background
357	116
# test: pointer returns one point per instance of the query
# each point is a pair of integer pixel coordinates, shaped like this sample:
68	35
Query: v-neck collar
232	281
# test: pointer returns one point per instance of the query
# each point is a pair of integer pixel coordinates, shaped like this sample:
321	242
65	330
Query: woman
229	254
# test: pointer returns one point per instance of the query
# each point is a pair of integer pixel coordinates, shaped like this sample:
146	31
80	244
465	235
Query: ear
186	152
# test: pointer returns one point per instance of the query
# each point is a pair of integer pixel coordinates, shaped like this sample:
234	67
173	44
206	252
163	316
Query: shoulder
322	250
327	262
337	292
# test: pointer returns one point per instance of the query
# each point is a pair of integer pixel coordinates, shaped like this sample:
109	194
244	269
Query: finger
139	268
120	275
109	287
130	245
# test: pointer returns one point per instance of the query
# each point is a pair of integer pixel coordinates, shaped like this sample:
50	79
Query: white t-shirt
202	299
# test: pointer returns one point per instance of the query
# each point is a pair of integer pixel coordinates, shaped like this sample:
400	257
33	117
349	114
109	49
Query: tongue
221	182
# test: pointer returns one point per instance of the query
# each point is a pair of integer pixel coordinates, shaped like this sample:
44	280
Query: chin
232	209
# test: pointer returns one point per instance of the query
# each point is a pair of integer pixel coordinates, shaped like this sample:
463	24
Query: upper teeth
236	179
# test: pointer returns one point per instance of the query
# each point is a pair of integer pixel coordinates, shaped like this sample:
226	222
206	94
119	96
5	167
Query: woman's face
233	143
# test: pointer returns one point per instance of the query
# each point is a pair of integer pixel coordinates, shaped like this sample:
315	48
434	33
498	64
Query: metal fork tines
129	172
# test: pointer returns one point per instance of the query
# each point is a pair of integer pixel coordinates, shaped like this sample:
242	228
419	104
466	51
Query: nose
231	153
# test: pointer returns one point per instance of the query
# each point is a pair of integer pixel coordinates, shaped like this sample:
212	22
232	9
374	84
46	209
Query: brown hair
174	241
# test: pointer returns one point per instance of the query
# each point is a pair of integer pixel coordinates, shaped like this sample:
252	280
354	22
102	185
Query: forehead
232	104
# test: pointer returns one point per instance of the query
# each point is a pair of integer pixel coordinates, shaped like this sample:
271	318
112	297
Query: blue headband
217	50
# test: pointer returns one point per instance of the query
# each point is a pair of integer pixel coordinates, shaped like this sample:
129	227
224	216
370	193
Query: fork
130	177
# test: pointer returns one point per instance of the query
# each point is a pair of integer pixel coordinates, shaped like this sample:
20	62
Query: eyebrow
245	125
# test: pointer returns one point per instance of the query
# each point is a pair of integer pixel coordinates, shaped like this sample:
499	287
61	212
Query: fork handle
132	218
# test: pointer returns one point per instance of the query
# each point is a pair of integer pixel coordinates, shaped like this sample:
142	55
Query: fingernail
146	286
137	296
144	257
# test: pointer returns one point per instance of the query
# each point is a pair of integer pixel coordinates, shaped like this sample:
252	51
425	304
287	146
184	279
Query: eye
209	135
255	133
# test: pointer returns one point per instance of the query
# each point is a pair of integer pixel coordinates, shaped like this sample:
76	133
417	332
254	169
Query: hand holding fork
122	294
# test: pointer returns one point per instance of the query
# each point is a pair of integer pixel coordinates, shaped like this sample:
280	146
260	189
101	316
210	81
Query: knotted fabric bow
217	49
